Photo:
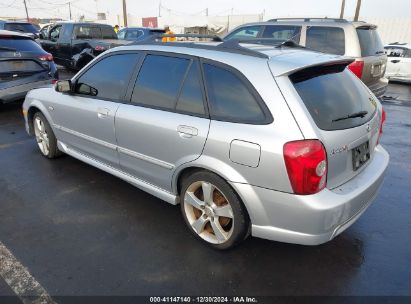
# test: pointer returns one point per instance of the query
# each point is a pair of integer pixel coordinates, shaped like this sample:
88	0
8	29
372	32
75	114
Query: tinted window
87	32
134	34
229	97
333	92
55	32
22	45
109	77
191	96
159	81
245	32
21	27
370	42
282	32
108	33
326	39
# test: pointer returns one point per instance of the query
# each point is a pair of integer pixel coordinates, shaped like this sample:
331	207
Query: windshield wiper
4	48
353	115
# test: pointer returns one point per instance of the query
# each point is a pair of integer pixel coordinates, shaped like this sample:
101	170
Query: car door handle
187	131
395	61
102	113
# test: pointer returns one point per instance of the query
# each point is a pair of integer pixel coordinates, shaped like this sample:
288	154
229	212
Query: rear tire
212	210
46	140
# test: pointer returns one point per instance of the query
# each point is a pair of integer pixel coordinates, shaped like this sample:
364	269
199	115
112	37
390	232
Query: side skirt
151	189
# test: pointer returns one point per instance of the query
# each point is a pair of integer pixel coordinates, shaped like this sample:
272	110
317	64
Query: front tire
46	140
213	211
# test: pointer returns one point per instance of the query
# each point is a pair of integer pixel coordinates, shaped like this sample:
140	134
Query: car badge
17	54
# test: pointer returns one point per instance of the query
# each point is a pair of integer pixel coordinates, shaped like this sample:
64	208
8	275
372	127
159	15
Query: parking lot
80	231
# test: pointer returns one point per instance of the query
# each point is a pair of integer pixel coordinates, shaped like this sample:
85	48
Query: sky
148	8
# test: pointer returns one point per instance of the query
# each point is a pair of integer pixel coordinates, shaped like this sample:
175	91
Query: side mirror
63	86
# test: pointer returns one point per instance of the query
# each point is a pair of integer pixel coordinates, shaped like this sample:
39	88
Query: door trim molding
146	158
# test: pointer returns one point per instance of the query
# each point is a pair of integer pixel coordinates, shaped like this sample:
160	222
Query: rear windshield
370	42
108	33
331	94
20	45
21	27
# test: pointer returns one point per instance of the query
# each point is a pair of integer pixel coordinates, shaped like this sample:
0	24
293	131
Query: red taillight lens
46	57
381	125
54	81
357	67
306	163
99	48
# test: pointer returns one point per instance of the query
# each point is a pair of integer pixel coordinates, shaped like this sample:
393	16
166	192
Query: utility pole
70	9
125	13
207	11
27	12
159	9
357	10
342	9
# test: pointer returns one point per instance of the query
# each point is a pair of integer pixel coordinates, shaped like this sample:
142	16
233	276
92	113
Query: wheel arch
37	106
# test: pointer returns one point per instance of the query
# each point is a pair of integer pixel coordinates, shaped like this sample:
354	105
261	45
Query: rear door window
326	39
332	93
370	42
159	81
108	33
230	99
108	78
282	32
87	32
245	32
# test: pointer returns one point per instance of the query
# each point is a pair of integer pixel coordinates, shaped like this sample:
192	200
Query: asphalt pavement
80	231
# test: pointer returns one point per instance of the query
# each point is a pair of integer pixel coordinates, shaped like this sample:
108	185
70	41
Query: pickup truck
74	44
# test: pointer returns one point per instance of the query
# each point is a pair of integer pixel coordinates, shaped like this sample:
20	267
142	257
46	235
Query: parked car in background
285	146
138	33
359	40
21	27
24	65
399	61
73	44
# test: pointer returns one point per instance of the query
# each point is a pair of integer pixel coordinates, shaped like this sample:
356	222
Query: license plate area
360	155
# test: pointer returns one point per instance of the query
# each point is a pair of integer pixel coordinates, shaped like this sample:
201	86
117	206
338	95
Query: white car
399	61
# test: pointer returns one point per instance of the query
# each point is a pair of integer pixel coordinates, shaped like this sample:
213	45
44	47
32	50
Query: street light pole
125	13
342	9
357	10
70	9
27	12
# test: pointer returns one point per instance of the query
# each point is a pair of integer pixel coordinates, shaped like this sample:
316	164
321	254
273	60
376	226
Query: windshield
331	93
370	42
21	27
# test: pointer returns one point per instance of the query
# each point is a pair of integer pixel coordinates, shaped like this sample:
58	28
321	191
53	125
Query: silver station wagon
277	142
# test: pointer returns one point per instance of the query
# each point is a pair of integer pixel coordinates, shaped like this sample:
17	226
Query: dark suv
359	40
24	65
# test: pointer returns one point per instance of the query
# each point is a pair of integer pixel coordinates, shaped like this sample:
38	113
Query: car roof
19	22
399	45
83	23
142	28
11	33
282	60
313	22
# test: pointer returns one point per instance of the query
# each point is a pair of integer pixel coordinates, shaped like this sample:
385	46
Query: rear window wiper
353	115
4	48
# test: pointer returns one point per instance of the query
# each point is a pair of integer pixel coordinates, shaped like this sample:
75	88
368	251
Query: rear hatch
372	53
20	58
345	117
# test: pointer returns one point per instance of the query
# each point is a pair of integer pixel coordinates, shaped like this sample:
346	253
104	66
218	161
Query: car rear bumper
313	219
379	87
19	91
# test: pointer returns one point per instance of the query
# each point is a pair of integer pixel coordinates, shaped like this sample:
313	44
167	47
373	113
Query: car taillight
54	81
99	48
46	57
356	67
381	125
306	163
